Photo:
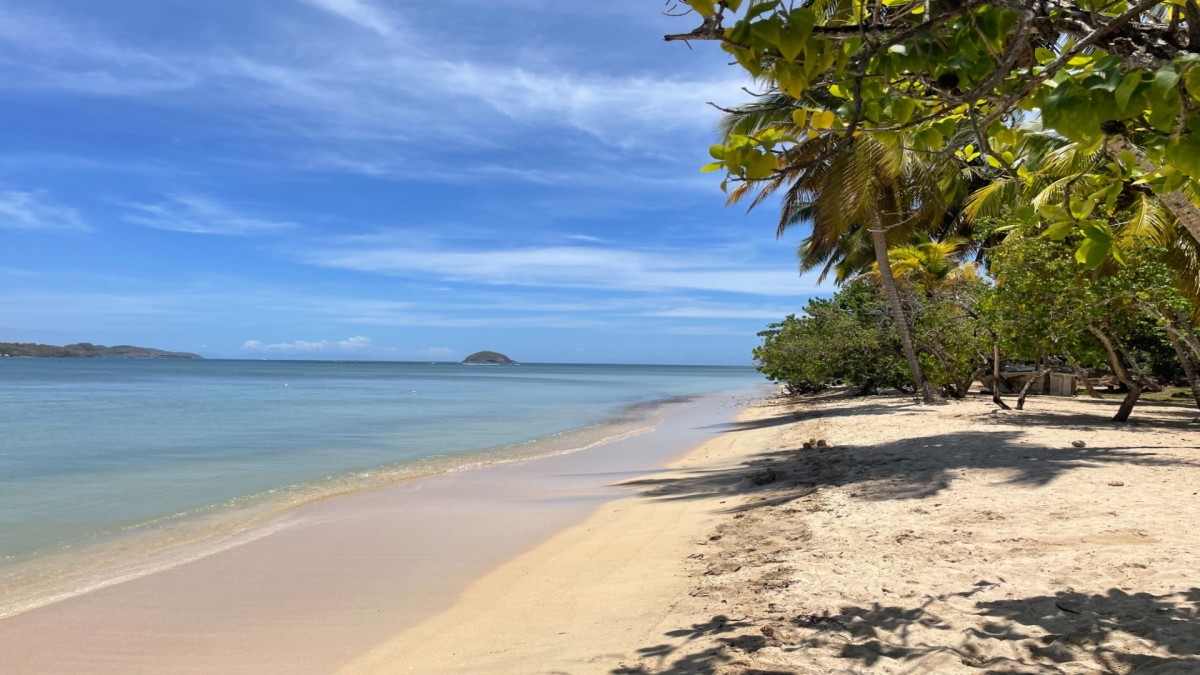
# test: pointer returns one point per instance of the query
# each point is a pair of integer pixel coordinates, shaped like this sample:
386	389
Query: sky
376	179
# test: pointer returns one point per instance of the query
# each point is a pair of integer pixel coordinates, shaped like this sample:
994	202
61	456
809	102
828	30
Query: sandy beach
830	535
324	583
954	539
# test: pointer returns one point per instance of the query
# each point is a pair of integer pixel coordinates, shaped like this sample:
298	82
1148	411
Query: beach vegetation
1013	181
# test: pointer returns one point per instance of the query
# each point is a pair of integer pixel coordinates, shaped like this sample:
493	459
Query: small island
87	350
487	358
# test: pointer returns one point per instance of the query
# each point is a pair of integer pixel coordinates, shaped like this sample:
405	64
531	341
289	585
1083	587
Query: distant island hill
87	350
487	358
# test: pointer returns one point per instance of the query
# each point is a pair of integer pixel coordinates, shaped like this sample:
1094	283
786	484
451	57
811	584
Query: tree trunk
996	378
1185	360
1083	378
964	387
1036	377
1188	333
1135	387
1176	202
879	238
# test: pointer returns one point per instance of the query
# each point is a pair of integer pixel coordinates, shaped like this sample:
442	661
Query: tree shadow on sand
726	636
916	468
1115	632
1112	632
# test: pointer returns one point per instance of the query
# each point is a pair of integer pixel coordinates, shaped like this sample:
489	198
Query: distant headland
489	358
87	350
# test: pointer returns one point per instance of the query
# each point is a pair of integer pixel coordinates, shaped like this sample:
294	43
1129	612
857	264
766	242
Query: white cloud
360	12
570	266
341	87
58	55
350	344
36	211
722	312
200	215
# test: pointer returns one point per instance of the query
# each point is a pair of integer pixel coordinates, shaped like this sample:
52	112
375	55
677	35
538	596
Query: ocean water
92	451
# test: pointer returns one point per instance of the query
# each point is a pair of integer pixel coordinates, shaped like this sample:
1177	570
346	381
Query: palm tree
931	265
859	196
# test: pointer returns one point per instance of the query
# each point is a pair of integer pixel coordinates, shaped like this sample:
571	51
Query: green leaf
1183	154
761	166
1191	80
1097	242
1060	230
800	117
1125	90
712	166
717	152
1053	213
760	8
793	38
902	110
1165	79
1043	55
1083	208
706	8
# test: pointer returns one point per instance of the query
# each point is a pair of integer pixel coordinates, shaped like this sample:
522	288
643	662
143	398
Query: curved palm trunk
879	238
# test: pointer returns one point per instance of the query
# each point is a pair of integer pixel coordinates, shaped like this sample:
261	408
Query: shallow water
95	449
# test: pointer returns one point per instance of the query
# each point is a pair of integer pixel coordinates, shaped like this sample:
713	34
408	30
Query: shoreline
920	540
337	554
43	577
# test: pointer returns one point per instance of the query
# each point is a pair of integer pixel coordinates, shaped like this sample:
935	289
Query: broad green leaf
1192	81
1165	79
712	166
902	110
760	8
1097	242
1125	90
761	166
706	8
1059	231
1082	208
800	117
1183	154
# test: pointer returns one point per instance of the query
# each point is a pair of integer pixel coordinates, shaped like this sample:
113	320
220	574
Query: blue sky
375	179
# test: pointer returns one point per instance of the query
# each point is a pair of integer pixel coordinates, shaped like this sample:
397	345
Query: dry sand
955	539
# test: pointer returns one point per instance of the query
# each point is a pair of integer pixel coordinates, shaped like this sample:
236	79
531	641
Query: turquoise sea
95	450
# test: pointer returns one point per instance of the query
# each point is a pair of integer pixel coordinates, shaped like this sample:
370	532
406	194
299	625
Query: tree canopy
961	79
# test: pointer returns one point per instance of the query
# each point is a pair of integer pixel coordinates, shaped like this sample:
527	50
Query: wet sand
328	582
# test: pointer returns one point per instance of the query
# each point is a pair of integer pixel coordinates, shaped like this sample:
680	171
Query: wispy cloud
568	266
36	211
351	344
721	312
360	12
363	88
201	215
54	54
